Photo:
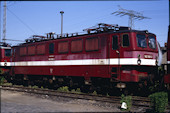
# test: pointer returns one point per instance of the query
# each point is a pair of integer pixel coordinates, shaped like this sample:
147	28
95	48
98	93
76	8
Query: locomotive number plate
148	56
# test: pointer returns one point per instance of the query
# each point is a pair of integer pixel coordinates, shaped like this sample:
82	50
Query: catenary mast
4	23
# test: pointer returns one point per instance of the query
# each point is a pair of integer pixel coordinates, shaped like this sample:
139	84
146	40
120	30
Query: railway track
143	102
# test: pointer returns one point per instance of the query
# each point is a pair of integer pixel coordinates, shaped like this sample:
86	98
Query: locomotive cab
133	56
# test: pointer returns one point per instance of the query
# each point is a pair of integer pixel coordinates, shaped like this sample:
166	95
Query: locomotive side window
51	48
92	44
63	47
23	51
7	52
76	45
31	50
141	41
41	49
152	42
125	40
114	42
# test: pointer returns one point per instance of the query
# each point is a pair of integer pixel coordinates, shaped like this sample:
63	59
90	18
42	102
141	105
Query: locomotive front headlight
139	60
5	64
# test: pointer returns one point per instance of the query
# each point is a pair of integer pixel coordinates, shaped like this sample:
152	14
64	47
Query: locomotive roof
4	45
101	29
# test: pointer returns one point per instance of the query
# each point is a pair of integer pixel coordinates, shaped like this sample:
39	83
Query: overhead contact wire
22	21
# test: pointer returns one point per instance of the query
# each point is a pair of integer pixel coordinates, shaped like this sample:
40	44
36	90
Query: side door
114	55
51	56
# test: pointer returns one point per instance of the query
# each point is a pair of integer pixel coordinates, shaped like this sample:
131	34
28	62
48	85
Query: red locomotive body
167	76
99	59
5	54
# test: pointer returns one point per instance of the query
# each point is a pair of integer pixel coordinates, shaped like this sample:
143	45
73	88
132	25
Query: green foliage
155	87
94	93
2	79
73	90
34	87
0	71
159	101
63	89
107	95
127	100
78	91
160	68
9	84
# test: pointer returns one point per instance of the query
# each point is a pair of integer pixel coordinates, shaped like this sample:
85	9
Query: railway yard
104	68
81	73
25	99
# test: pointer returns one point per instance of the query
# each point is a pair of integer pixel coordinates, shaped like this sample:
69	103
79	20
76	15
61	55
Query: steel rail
136	100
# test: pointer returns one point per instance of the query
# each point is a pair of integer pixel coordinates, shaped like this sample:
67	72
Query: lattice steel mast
132	15
4	23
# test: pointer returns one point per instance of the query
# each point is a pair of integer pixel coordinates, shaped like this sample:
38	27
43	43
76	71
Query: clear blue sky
40	17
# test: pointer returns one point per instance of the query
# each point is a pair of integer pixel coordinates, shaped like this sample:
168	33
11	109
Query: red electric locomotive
167	76
105	57
5	54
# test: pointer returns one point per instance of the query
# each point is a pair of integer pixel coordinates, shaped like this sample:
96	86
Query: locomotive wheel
85	88
114	92
102	91
50	86
30	83
91	89
25	83
39	84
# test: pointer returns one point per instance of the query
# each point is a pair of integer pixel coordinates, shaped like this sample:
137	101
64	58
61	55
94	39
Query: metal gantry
132	15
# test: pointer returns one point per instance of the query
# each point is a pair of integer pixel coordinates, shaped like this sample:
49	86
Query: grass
9	84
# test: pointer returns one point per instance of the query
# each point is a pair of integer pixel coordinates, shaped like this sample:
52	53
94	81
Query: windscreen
141	40
152	42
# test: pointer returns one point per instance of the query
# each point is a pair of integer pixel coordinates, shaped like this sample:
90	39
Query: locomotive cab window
114	42
51	48
125	41
141	40
7	52
152	42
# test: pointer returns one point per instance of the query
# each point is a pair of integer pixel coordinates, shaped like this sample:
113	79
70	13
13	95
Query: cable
22	21
10	3
15	40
